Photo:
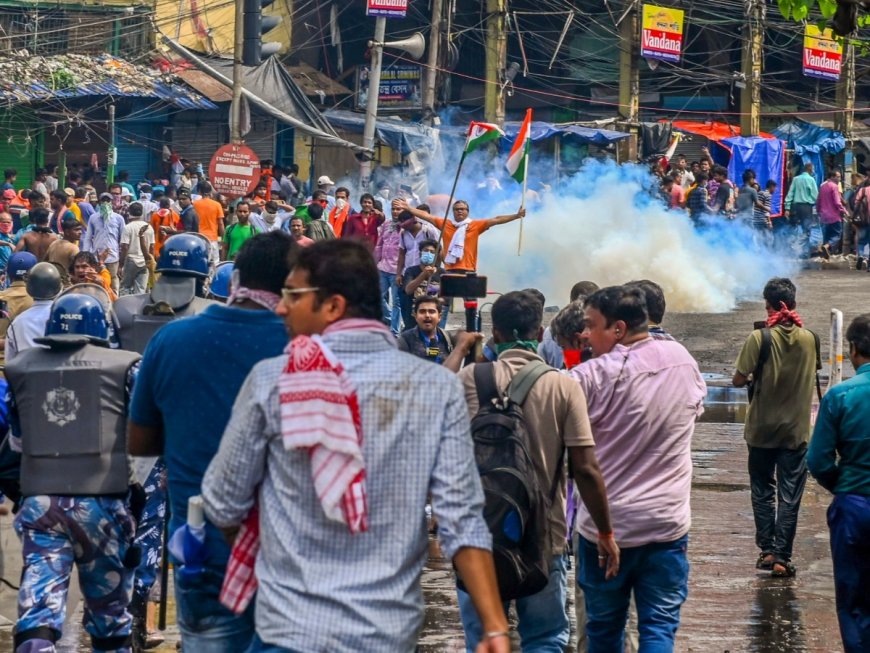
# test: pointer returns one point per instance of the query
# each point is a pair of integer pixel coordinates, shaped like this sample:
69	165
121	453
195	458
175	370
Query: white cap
325	181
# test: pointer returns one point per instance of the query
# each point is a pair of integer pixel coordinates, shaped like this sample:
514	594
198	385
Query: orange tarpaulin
715	131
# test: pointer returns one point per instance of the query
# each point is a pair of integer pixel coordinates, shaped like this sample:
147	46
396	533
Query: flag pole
523	200
449	202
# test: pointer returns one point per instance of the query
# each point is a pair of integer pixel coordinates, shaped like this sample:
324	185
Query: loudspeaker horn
414	45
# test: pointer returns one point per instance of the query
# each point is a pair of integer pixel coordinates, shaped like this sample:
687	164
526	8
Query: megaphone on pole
414	45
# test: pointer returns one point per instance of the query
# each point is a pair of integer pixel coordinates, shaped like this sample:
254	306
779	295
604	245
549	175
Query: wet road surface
731	607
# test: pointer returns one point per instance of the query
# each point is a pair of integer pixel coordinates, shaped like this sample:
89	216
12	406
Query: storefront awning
585	135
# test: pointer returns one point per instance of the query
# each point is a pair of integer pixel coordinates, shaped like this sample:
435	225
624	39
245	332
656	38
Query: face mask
105	209
5	228
573	357
341	203
427	258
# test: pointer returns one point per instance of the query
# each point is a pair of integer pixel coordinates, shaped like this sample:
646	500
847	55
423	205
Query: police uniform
69	419
139	317
16	301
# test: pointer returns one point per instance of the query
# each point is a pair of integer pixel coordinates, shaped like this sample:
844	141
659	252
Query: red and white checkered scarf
320	413
784	316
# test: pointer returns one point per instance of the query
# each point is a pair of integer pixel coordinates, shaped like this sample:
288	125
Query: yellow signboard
661	33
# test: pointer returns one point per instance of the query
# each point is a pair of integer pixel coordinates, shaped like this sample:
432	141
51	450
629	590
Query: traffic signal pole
236	106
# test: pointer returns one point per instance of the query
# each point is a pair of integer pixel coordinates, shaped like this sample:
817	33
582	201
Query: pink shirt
829	205
643	402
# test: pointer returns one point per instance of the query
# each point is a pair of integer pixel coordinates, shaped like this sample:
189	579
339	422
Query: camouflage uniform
149	534
96	534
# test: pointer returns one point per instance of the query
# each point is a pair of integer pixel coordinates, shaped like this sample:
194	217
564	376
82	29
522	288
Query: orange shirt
338	218
171	219
469	254
106	279
210	212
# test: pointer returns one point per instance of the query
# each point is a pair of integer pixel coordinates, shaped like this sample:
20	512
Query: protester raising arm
504	219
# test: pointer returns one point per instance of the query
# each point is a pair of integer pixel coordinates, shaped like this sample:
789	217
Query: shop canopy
766	156
399	135
544	130
712	130
32	79
810	143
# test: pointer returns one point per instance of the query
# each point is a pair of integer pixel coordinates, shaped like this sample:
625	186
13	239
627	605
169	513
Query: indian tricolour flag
519	156
480	133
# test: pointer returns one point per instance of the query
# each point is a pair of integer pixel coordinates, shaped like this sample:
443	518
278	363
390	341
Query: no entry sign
234	170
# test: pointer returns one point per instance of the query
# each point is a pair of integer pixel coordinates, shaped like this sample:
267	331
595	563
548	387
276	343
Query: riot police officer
14	299
43	284
183	268
69	406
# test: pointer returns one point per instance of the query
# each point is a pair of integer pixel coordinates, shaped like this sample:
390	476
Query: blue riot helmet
221	281
184	255
18	266
75	317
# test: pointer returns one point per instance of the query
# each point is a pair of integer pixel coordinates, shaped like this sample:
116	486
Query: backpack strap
818	363
763	355
522	383
484	382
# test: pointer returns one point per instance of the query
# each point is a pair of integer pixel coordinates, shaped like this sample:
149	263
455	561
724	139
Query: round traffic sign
234	170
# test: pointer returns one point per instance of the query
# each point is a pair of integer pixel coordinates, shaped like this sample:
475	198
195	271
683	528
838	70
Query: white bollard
836	358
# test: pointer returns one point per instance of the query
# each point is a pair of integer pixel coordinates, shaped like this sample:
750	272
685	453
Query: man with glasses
460	232
644	396
332	471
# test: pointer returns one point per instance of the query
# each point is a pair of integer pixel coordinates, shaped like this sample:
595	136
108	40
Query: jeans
657	573
862	239
390	301
406	308
776	518
849	522
543	623
259	646
832	234
580	616
113	271
801	220
206	626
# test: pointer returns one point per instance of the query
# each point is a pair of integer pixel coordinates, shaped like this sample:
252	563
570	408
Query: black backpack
516	507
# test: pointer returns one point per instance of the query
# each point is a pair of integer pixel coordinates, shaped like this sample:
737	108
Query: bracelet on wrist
605	536
492	634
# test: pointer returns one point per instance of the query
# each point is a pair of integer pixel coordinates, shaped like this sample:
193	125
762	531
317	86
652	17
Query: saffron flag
516	163
480	133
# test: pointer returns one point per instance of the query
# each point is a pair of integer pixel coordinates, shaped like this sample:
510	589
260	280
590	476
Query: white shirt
28	326
130	237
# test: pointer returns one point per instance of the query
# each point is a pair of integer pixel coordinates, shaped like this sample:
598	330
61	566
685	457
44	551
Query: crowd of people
280	431
814	218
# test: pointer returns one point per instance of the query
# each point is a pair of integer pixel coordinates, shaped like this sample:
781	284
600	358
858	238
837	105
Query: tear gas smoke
604	224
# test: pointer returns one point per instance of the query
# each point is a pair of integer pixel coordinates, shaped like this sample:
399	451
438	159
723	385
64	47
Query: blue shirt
7	250
189	377
841	430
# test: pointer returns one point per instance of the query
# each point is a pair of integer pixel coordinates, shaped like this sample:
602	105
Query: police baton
164	571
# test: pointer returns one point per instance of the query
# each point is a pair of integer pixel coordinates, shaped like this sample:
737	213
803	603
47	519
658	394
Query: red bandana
784	316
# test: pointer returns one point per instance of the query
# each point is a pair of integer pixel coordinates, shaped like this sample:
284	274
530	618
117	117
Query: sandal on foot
765	561
783	569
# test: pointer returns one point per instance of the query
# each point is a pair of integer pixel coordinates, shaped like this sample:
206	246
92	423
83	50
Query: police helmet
43	281
19	265
184	255
75	316
220	282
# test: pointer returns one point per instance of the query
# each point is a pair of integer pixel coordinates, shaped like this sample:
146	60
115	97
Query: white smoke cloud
604	225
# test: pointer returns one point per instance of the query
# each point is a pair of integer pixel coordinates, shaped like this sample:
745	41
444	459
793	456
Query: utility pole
377	50
238	47
629	76
432	64
112	159
845	118
496	55
753	57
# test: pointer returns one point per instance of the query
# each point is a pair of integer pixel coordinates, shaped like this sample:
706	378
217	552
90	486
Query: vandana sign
387	8
823	55
661	33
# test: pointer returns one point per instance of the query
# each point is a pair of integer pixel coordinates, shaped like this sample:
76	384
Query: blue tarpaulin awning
404	137
763	155
810	142
585	135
